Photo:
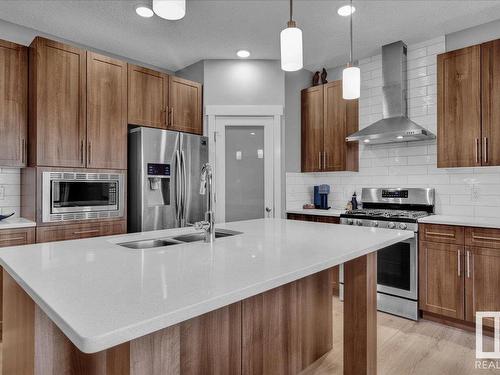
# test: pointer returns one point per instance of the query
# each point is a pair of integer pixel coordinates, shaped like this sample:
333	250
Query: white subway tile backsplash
10	186
459	191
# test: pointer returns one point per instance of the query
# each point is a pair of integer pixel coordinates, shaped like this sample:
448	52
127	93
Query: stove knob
349	221
375	223
391	225
402	226
359	223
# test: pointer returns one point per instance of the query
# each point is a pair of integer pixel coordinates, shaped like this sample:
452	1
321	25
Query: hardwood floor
406	347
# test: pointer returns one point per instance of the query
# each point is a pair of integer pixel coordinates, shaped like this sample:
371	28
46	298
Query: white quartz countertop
468	221
16	222
316	212
101	294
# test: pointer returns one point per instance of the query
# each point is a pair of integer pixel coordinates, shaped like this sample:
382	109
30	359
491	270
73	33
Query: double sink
176	240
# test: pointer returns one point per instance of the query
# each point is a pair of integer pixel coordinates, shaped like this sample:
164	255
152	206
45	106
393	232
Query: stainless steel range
397	265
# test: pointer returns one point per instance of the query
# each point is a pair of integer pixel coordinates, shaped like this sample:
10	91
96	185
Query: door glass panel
393	266
244	172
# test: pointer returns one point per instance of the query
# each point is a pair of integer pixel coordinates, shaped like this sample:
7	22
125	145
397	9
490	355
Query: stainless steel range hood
395	125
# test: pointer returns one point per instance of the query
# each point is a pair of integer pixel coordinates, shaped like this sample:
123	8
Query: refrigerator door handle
184	186
178	182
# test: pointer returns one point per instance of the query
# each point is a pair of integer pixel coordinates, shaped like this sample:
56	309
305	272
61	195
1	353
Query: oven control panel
394	193
380	224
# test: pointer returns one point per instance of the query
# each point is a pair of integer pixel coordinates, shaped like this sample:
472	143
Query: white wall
474	35
244	82
459	191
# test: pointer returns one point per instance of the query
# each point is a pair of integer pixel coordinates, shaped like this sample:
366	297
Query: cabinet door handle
485	149
165	113
87	231
11	239
440	234
172	116
81	152
459	265
90	153
468	264
477	150
23	151
319	160
324	160
485	238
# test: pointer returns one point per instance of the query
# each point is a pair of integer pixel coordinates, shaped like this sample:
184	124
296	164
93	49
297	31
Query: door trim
273	113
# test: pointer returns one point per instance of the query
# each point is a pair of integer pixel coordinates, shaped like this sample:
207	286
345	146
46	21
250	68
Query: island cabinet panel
57	120
106	112
185	112
13	104
441	281
147	97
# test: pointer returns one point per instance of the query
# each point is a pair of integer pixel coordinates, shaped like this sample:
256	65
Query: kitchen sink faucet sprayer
206	188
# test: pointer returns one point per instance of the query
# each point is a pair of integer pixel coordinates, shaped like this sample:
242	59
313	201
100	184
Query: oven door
397	269
83	196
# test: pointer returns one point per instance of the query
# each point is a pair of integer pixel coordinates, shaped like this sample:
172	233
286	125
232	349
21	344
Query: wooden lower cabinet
482	282
461	274
321	219
77	231
441	279
13	237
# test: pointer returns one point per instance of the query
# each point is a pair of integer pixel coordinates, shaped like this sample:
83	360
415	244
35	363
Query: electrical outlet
2	193
475	193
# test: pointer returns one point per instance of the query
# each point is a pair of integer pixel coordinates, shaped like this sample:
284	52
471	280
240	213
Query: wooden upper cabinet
106	112
312	115
490	60
459	108
185	111
57	123
147	97
441	279
13	104
327	119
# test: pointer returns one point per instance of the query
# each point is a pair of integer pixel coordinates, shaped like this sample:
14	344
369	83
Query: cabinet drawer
77	231
442	233
15	237
482	237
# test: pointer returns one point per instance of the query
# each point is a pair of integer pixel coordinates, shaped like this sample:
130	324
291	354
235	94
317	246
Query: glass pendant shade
291	49
351	83
170	9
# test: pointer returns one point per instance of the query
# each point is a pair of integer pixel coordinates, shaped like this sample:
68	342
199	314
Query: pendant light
170	9
351	76
291	45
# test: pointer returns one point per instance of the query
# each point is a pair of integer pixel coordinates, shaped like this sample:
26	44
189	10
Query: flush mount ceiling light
170	9
242	53
351	76
346	10
143	10
291	45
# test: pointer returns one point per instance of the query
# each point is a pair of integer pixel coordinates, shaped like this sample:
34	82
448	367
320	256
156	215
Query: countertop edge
91	345
481	222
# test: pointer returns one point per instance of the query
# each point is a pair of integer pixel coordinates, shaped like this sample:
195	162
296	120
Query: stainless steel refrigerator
164	179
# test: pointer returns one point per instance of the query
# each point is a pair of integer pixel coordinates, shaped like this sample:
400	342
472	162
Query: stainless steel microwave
70	196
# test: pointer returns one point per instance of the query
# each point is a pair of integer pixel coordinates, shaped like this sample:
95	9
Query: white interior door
244	168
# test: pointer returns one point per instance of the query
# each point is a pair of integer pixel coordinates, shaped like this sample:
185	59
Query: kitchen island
254	303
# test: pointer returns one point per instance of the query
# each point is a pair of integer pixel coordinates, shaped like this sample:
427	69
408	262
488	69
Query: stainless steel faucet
206	188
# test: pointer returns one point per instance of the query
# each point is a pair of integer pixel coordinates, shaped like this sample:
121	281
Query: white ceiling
216	29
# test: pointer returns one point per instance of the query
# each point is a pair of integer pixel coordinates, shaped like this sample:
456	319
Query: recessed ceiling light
399	137
252	133
366	141
242	53
144	11
346	10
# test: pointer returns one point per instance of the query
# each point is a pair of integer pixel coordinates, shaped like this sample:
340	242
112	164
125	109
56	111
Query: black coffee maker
321	197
